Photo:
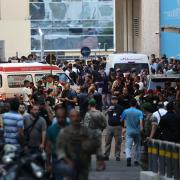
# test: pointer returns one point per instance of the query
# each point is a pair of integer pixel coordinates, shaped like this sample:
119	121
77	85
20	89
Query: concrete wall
15	27
137	15
119	25
124	29
150	38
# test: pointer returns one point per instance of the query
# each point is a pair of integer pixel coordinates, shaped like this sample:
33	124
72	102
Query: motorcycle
21	166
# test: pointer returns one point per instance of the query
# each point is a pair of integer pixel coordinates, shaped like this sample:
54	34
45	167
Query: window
135	67
64	78
17	81
39	77
72	24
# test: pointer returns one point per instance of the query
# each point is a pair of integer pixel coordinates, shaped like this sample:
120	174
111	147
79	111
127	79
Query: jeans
62	169
136	139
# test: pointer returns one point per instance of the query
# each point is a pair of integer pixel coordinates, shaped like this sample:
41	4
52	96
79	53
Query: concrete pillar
130	25
119	26
125	25
150	28
136	20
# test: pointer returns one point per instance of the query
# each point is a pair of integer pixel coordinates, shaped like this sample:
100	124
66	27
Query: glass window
135	67
0	81
72	24
39	77
64	78
17	81
72	42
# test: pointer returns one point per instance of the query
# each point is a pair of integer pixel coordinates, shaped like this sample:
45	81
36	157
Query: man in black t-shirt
170	124
114	129
125	98
69	97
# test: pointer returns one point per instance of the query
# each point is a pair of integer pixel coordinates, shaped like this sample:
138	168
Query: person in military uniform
150	127
75	145
95	120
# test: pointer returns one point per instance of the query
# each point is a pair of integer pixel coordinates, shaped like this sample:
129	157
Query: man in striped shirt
13	125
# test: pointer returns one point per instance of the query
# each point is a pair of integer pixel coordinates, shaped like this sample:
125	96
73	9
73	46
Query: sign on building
170	28
170	44
170	13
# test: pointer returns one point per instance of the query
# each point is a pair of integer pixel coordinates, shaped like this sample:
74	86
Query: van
128	63
13	75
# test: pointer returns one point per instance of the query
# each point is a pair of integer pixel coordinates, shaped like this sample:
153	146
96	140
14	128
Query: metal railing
164	158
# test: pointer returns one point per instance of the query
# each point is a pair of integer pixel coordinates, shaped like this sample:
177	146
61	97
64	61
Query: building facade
137	26
71	25
14	28
105	26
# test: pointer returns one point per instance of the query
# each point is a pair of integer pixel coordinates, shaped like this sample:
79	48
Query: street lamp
99	46
105	48
41	43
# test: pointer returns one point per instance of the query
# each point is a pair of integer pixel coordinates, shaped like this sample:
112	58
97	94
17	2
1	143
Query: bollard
168	156
175	162
154	153
162	163
150	155
164	158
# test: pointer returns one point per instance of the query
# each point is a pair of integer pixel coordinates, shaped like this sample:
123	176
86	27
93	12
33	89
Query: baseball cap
92	102
114	97
147	106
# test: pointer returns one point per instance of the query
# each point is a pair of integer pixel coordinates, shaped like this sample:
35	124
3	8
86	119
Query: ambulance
128	62
13	75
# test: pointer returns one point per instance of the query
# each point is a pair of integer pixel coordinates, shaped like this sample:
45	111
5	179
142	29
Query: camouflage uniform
77	145
149	120
96	121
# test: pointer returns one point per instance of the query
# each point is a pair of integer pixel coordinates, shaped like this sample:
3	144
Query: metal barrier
164	158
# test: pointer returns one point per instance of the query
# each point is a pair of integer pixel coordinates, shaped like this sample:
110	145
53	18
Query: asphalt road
115	170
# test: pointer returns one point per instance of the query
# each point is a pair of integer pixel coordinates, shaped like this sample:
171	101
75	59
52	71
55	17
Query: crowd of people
164	65
68	123
161	65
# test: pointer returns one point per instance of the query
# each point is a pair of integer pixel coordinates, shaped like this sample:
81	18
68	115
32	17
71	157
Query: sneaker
136	163
118	159
128	162
106	158
100	166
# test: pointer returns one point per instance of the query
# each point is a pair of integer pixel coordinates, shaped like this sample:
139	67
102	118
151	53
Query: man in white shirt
139	82
26	93
161	111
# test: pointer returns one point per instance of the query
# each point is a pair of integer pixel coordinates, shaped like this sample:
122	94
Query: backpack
97	122
159	132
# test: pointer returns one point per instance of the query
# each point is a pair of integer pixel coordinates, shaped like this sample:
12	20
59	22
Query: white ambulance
127	62
13	75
